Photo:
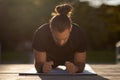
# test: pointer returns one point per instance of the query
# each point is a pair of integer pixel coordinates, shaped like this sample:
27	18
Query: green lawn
15	57
105	56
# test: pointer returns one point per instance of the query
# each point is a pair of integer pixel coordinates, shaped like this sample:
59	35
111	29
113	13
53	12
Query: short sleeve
82	41
82	47
38	42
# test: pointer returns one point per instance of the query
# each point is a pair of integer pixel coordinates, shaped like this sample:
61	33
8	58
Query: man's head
61	37
61	23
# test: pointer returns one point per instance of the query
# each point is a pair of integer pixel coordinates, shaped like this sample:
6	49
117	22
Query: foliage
101	24
20	18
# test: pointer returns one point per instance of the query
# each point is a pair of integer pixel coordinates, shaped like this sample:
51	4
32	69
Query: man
60	42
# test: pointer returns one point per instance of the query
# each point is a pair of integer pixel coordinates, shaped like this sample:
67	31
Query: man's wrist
80	66
39	68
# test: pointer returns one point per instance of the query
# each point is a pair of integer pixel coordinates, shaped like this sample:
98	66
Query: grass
97	57
105	56
15	57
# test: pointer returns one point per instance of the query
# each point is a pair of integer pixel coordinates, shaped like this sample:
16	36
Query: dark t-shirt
43	41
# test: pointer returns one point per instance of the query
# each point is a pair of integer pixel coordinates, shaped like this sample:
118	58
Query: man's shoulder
43	28
77	28
75	25
78	32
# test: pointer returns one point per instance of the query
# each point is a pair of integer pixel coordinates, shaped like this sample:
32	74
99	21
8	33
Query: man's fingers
47	67
51	63
70	67
67	63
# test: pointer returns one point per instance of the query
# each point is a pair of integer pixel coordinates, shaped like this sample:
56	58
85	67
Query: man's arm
80	60
41	63
40	59
78	64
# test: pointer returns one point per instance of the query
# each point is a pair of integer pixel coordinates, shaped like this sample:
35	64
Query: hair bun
63	9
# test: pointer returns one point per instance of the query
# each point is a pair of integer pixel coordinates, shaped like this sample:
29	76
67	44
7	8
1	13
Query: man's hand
47	67
71	68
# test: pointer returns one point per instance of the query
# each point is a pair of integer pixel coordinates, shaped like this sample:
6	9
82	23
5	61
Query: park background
20	18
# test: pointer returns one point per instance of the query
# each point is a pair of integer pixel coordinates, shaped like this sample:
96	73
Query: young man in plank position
60	42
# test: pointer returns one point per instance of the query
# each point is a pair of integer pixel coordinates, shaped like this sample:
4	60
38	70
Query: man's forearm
80	60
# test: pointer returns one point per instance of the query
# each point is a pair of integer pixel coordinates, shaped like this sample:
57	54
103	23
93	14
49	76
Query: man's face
61	38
